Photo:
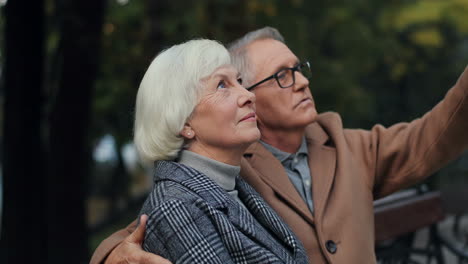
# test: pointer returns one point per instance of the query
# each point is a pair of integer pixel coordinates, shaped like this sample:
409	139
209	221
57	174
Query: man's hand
131	252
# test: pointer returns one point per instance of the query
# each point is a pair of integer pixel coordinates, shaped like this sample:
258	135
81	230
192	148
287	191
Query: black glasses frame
294	69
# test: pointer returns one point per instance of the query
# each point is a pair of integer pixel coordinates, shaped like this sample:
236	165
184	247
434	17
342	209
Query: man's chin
309	116
302	123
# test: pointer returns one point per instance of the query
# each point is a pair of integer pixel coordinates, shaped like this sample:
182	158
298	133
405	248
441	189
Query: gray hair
238	51
168	94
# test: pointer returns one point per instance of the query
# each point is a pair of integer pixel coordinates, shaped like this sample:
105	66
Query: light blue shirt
297	168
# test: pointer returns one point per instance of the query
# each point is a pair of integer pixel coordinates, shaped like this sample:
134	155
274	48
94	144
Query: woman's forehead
226	68
223	70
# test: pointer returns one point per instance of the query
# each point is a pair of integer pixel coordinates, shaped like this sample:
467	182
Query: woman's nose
246	97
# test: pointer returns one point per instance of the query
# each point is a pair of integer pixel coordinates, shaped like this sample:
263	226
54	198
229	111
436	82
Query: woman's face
224	119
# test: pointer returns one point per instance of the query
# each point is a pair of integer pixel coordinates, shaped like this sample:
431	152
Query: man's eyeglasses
286	77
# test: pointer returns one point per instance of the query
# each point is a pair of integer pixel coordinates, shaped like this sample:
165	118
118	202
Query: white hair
238	51
168	94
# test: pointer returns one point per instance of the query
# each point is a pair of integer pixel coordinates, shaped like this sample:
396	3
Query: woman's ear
187	132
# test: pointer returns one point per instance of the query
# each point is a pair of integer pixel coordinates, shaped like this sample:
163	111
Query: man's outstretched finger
139	234
130	251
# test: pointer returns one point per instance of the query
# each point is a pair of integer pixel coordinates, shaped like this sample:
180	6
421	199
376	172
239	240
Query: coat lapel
273	173
241	218
322	162
267	218
214	196
193	180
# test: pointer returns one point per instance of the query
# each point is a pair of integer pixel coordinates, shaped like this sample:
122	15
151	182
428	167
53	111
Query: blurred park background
70	71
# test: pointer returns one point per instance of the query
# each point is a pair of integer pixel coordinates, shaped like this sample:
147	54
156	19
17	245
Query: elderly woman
194	119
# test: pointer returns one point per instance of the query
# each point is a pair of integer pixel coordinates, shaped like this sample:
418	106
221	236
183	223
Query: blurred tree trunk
69	120
24	226
119	191
155	11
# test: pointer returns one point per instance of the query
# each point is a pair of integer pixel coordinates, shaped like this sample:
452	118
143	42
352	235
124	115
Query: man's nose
301	81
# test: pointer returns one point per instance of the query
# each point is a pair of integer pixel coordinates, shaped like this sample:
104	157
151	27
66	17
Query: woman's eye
239	80
221	85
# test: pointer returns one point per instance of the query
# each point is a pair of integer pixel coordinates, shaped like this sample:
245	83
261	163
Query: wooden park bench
399	216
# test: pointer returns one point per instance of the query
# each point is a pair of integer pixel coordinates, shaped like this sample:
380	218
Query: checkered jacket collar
268	217
194	180
214	195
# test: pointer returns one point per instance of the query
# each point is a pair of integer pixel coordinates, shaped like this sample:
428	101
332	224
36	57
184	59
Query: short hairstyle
238	51
168	94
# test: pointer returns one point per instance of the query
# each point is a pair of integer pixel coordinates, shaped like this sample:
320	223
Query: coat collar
322	164
193	180
322	160
216	197
267	217
272	173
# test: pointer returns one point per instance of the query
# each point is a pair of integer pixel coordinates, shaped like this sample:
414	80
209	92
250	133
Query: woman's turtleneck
223	174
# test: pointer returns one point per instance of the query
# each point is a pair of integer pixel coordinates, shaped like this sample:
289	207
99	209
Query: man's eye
221	85
282	74
239	80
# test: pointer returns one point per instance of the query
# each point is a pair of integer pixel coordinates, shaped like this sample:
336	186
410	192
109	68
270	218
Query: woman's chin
253	136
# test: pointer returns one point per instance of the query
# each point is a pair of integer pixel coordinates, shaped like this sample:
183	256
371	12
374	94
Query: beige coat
350	168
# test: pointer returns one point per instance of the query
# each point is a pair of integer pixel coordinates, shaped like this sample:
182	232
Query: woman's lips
249	117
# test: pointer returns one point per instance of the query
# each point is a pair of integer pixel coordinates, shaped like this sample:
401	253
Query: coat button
331	246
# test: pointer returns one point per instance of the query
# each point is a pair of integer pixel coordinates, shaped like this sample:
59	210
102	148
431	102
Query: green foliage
372	60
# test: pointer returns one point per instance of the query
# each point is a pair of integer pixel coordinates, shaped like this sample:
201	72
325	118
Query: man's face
279	109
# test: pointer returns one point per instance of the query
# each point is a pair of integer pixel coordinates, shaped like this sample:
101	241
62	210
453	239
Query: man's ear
187	132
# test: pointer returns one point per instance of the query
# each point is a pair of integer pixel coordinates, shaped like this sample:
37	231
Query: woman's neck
231	156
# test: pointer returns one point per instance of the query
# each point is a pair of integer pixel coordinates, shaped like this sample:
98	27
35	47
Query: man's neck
287	141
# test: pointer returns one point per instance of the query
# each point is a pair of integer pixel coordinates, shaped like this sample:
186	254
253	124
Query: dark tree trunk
24	226
155	11
69	125
119	188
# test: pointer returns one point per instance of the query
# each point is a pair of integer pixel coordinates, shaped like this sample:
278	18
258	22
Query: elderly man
319	177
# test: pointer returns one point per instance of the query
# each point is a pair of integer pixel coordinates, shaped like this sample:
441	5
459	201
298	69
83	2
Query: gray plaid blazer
193	220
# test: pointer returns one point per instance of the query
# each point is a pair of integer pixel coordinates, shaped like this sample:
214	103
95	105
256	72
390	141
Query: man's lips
305	100
249	117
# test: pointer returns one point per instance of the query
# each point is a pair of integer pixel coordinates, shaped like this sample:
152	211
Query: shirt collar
282	155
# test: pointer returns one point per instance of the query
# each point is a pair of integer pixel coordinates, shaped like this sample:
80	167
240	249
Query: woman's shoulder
175	182
172	170
167	190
